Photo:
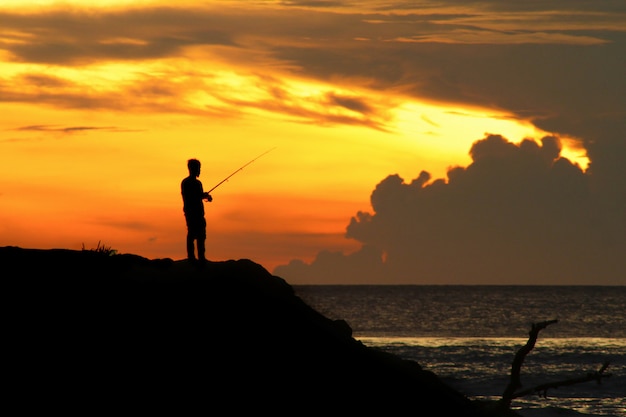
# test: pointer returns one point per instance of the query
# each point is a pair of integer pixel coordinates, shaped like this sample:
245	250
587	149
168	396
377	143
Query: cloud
557	64
561	70
467	36
82	36
518	213
322	106
59	130
67	129
70	129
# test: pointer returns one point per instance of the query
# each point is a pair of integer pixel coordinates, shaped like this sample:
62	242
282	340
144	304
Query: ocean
469	335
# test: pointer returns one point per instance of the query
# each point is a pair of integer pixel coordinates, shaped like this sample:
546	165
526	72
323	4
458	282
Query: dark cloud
520	57
518	213
69	129
568	89
57	52
487	6
43	80
78	37
503	219
314	3
64	130
352	103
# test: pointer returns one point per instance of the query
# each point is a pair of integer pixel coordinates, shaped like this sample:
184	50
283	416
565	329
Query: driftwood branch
515	382
543	388
516	367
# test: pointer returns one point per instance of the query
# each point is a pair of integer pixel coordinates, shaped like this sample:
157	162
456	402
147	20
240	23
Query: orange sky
102	105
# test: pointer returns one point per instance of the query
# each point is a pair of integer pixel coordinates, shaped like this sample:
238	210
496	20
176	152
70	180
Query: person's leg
201	240
190	248
201	249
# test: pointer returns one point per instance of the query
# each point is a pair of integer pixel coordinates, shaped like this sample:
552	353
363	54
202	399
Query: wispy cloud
61	130
495	53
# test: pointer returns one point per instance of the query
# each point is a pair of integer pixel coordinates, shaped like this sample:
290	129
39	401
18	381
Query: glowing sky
102	103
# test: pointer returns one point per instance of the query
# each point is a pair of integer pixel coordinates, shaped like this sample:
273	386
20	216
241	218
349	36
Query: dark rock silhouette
90	331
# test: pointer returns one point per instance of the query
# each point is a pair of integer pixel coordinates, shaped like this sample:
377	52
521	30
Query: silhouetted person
193	207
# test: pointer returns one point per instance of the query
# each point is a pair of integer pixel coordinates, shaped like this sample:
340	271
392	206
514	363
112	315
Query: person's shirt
192	192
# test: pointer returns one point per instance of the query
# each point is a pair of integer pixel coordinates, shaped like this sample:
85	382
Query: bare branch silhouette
543	388
515	381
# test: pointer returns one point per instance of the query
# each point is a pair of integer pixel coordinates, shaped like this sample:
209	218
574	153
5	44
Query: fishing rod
239	169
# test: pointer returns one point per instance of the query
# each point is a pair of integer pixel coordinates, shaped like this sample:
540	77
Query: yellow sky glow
95	149
96	184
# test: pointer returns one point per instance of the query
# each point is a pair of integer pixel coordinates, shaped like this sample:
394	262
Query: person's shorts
196	227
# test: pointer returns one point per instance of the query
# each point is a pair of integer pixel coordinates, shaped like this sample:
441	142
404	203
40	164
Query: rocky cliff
91	331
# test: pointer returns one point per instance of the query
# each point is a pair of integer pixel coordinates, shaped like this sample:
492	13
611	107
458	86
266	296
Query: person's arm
204	195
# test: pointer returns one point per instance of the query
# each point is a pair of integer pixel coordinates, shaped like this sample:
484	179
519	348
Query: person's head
194	167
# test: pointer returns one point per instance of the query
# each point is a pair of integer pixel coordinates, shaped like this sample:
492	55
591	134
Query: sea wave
480	368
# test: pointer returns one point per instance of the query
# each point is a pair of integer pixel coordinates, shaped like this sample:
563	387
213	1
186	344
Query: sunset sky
415	142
